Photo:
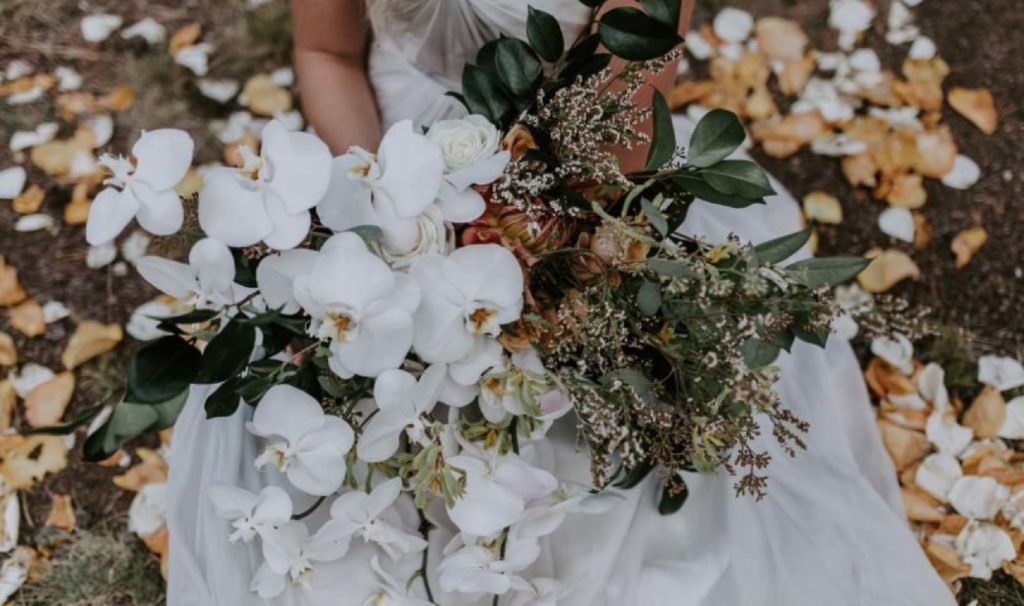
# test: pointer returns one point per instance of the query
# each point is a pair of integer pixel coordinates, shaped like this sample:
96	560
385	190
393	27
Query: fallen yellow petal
24	460
27	318
90	340
968	242
46	403
820	206
888	268
986	414
8	353
977	105
62	513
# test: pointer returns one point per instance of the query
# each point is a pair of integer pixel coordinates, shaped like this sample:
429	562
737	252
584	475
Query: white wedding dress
831	530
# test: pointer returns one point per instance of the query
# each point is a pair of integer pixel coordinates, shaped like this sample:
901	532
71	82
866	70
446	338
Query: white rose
465	141
433	236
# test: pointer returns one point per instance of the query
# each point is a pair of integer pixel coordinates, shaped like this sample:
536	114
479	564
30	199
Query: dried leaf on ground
822	207
62	513
905	446
8	401
779	38
28	318
888	268
265	97
8	352
921	507
152	469
29	201
907	191
11	292
977	105
91	339
46	403
186	35
986	414
24	460
967	243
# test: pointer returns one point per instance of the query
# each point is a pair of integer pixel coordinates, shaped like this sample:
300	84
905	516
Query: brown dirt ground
978	38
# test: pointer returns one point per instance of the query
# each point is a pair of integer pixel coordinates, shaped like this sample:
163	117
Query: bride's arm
331	39
634	159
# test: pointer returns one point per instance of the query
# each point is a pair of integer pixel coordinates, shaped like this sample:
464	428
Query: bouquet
406	323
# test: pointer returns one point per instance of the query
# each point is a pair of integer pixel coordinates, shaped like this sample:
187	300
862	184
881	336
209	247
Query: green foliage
545	35
663	142
636	36
717	134
161	370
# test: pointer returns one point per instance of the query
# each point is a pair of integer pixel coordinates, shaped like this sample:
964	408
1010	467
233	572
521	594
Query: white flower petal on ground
12	182
922	49
148	29
250	514
978	497
965	173
937	473
97	28
984	547
850	18
67	78
34	222
269	198
11	518
1003	373
733	25
364	514
931	384
28	377
699	46
1013	424
54	311
42	133
948	436
196	58
401	401
221	91
897	222
14	572
147	512
897	350
304	443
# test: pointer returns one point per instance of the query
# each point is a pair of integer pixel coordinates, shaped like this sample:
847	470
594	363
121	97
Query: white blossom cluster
409	310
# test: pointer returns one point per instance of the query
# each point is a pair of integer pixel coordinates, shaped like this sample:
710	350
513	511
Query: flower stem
425	532
308	512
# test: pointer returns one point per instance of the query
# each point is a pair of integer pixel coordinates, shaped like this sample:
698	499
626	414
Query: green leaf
758	353
670	503
827	271
484	95
592	3
224	400
635	475
245	273
740	178
655	216
544	34
643	386
518	67
228	352
161	370
717	135
784	340
369	233
648	298
663	143
696	185
780	249
634	36
665	11
63	429
167	412
192	317
125	422
816	336
671	269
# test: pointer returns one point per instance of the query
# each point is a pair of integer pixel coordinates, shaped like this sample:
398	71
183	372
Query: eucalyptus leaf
671	269
648	298
227	354
655	216
544	34
161	370
717	134
663	142
780	249
125	422
666	11
758	354
224	400
635	36
740	178
827	271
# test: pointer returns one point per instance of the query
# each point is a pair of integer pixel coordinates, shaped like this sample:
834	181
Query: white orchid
497	491
471	157
305	444
251	514
207	280
401	402
269	198
360	305
393	190
1000	372
467	297
290	555
984	547
541	592
521	386
474	570
363	515
145	190
276	274
392	591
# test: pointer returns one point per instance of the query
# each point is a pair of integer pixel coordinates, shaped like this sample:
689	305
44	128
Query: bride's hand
331	38
634	159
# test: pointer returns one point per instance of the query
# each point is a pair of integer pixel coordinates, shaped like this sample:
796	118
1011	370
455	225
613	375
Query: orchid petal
213	266
460	206
164	156
413	168
486	272
232	502
486	354
160	211
169	277
383	496
288	412
300	166
383	343
348	201
110	213
276	275
394	392
233	212
289	229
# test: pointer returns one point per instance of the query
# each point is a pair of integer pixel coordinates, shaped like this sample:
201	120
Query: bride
830	531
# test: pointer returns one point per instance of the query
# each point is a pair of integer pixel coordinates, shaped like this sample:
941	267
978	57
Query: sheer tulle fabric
831	530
